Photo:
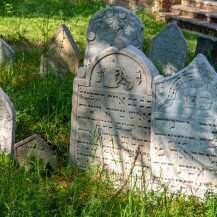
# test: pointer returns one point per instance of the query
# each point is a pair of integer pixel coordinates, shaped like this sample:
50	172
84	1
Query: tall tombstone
108	24
61	54
7	55
7	123
208	46
168	50
111	114
184	129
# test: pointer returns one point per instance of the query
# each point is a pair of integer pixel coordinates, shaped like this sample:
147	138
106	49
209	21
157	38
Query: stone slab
36	148
184	129
208	46
7	123
111	114
168	50
7	55
61	54
108	24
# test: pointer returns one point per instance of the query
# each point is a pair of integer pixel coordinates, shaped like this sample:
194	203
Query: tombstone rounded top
108	24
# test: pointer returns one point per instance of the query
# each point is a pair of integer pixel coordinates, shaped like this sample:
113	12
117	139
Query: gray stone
169	49
208	46
111	115
108	24
7	56
184	129
61	54
7	123
33	149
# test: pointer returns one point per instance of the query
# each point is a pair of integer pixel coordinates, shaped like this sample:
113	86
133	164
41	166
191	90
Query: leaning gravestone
169	49
34	148
108	24
61	54
7	56
184	129
208	46
7	123
111	115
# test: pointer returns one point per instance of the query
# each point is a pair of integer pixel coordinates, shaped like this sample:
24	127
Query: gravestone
7	123
184	129
61	54
169	49
33	149
111	115
208	46
108	24
7	56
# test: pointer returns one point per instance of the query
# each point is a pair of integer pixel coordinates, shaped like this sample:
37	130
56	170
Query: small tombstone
184	129
169	49
34	148
208	46
7	123
7	56
61	54
108	24
111	115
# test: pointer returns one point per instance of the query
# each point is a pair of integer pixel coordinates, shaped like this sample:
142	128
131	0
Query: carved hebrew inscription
111	115
108	24
169	49
7	123
184	129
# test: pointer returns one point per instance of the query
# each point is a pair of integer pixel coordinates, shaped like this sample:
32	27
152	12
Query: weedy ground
44	107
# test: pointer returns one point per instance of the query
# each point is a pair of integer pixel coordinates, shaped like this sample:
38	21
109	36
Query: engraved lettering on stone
184	128
111	114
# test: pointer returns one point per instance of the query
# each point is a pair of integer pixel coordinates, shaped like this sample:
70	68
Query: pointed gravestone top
184	129
7	123
7	56
208	46
111	115
36	148
108	24
61	54
169	49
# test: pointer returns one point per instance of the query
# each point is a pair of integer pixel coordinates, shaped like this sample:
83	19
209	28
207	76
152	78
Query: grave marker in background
208	46
184	129
7	123
7	56
61	54
111	115
108	24
37	148
169	49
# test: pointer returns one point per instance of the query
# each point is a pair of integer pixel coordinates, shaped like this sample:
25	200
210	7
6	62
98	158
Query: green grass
44	107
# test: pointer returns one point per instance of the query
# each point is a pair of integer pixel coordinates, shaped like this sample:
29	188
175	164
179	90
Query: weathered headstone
169	49
108	24
34	148
111	115
208	46
7	123
61	54
7	56
184	129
